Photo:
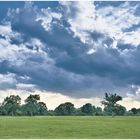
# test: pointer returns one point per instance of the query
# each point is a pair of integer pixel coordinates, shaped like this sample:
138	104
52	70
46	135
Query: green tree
78	112
50	113
87	109
65	109
1	110
138	111
31	105
120	110
11	105
117	110
98	111
134	111
110	103
42	108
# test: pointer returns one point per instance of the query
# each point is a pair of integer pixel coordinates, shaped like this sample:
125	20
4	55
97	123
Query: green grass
70	127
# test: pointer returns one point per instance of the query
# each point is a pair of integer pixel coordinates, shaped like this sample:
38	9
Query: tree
65	109
78	112
42	108
110	102
98	111
117	110
11	105
120	110
50	113
138	111
32	98
134	111
87	109
31	105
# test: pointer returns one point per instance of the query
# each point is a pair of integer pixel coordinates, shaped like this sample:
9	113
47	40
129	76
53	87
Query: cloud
112	21
130	103
78	49
7	81
26	87
47	18
81	17
5	30
131	38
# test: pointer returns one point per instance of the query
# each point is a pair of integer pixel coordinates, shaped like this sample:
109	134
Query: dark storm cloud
106	63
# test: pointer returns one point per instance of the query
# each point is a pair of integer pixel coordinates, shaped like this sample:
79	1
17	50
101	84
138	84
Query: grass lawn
70	127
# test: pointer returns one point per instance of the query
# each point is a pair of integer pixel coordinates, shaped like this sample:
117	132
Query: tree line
11	106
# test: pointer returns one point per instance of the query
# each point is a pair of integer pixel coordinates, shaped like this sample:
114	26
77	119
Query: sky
70	51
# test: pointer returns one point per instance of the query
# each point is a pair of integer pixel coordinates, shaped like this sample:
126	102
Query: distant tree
50	113
134	111
1	112
138	111
129	113
110	102
117	110
120	110
78	112
31	105
94	110
98	111
11	105
87	109
42	108
32	98
65	109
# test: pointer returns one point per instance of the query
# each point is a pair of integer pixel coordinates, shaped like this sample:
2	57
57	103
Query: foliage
33	106
87	109
134	111
65	109
42	108
110	103
11	105
98	111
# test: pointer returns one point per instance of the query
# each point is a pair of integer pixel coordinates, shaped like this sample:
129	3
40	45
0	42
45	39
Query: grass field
69	127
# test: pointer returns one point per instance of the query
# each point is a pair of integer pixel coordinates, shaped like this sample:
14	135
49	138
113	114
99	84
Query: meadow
83	127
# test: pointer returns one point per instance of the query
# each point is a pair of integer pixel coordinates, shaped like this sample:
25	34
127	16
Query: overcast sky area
70	51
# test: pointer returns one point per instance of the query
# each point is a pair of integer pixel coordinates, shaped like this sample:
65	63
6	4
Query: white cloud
37	46
18	54
26	87
46	16
113	20
8	50
83	20
110	21
134	93
25	77
131	38
7	80
132	98
129	103
91	51
5	30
